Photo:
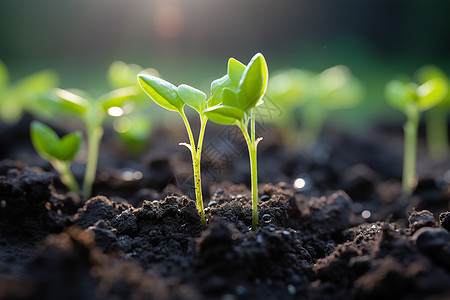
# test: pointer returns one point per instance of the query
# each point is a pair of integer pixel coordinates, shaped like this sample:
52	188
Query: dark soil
345	234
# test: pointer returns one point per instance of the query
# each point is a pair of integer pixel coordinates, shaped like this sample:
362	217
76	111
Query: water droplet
373	227
291	289
272	228
212	203
249	228
266	218
155	202
303	183
286	233
265	198
366	214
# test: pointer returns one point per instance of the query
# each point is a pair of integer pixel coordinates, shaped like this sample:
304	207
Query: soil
332	222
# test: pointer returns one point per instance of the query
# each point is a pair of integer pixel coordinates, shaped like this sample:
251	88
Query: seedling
134	126
174	98
412	99
333	89
233	101
317	94
436	117
23	95
59	152
92	113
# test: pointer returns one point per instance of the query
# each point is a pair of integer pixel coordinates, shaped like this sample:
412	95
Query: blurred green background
189	41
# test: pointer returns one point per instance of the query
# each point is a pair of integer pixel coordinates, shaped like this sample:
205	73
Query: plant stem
251	144
313	117
63	168
196	155
410	152
437	133
94	136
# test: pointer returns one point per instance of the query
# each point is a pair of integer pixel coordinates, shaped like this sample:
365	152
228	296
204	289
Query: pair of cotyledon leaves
232	95
50	146
431	89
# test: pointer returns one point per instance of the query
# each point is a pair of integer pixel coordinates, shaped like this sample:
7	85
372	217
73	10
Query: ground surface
344	233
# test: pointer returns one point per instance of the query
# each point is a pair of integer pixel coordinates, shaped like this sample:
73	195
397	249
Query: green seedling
134	126
316	95
175	98
233	101
23	96
290	89
437	116
412	99
59	152
333	89
92	113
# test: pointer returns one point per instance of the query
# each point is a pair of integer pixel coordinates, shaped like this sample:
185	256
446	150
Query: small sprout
24	95
412	99
233	101
92	113
436	117
132	123
59	152
175	98
317	94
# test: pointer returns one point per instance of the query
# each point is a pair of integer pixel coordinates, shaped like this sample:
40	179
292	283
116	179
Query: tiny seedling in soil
436	117
174	98
23	95
92	113
60	152
317	94
412	99
233	101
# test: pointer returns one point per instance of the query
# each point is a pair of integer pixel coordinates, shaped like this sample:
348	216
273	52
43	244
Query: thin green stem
251	144
437	133
94	136
410	153
196	155
313	117
63	168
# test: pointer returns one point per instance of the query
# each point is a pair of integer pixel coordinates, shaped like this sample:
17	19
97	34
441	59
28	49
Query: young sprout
412	99
133	128
436	117
233	101
92	113
24	95
59	152
174	98
333	89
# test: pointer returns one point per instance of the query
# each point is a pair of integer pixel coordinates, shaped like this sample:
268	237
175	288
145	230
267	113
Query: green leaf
68	146
38	82
431	93
225	115
230	98
217	87
70	102
44	139
235	71
399	93
162	92
4	75
427	73
117	97
253	83
121	74
192	97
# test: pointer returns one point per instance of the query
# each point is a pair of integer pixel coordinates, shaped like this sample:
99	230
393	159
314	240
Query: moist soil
332	223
